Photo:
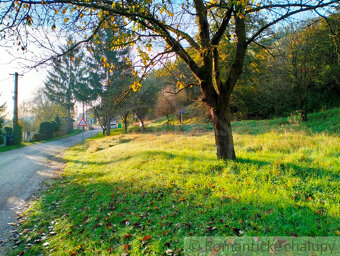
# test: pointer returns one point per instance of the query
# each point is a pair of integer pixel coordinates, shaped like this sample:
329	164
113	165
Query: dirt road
21	173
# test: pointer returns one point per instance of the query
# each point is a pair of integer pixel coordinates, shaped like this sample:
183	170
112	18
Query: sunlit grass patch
143	193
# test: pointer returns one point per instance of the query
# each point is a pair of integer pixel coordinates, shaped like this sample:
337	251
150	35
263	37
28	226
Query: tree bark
124	118
141	120
108	126
69	122
223	134
304	111
302	101
125	124
304	116
142	123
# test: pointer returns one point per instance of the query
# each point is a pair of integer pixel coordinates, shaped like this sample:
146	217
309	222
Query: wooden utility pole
15	98
17	129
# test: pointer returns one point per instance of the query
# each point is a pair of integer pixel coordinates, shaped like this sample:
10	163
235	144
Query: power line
10	77
5	79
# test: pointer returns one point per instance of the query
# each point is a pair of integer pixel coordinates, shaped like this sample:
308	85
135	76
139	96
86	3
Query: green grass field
141	194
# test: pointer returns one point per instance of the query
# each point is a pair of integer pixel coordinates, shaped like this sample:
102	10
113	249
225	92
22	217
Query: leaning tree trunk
142	123
141	120
223	134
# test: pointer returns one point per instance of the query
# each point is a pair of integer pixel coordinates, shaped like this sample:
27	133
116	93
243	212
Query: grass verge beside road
141	194
24	144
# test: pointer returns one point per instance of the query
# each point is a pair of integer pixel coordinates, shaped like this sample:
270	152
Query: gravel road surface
21	173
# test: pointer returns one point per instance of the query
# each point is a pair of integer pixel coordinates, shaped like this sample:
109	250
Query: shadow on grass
85	162
302	172
102	218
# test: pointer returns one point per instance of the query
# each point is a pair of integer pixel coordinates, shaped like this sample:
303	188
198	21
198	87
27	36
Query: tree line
294	72
215	40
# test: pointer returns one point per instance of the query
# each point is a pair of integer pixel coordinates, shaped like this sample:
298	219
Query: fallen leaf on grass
127	236
209	229
146	238
238	231
169	252
86	220
126	247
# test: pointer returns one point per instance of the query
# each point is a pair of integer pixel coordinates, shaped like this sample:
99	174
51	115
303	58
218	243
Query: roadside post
91	121
82	123
182	112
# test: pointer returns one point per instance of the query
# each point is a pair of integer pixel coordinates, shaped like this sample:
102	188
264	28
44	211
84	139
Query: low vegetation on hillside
141	194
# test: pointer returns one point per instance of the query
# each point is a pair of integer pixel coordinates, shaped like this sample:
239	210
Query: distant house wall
27	136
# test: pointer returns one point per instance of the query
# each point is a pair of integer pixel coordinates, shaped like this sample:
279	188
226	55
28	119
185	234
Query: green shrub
17	133
47	130
57	120
37	137
8	130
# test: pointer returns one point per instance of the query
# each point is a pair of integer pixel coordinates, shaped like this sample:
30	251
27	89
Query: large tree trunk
223	134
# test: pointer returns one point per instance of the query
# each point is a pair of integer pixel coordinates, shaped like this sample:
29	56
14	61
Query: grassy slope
118	190
24	144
